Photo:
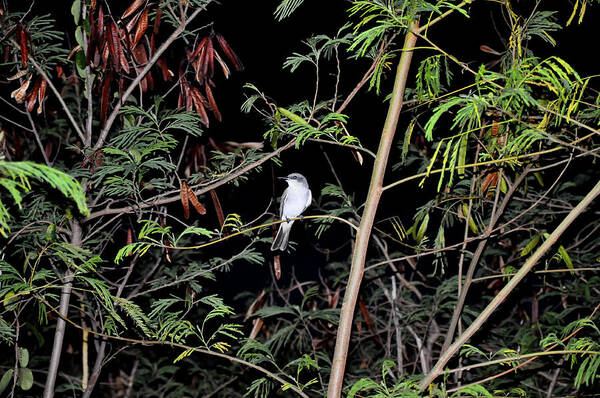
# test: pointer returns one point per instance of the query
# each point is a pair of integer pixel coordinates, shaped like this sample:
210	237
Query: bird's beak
282	178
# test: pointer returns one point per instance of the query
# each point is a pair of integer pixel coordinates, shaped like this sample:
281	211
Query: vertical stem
494	217
364	232
59	334
503	294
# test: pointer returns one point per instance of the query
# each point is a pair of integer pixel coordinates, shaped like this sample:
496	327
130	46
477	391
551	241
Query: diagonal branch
198	191
503	294
58	97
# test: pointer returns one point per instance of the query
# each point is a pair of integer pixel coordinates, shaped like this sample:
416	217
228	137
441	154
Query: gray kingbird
295	199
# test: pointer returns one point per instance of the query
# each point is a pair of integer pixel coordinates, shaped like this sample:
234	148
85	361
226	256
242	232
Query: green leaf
565	257
50	233
25	378
80	63
79	36
362	385
6	377
530	245
76	11
422	228
23	356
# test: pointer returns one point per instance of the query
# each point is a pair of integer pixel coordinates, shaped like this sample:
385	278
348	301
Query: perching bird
295	199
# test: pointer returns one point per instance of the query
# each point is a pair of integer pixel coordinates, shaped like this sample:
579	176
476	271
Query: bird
295	199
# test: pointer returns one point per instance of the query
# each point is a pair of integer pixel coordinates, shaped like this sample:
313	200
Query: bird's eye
293	177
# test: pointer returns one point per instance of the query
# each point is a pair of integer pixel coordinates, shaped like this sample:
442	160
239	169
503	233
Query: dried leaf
489	182
113	39
33	95
140	55
495	128
489	50
41	95
212	103
189	98
141	27
277	266
48	149
166	73
19	94
157	20
105	98
100	21
367	318
218	208
229	53
197	52
18	75
150	81
105	54
122	40
132	22
199	103
132	7
209	60
256	326
224	66
167	250
194	200
92	39
129	236
335	298
185	199
60	72
73	51
144	85
23	44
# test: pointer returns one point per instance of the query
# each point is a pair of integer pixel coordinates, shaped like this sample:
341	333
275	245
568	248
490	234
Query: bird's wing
282	203
309	200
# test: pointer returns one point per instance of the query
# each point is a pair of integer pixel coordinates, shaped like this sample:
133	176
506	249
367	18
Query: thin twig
38	139
58	97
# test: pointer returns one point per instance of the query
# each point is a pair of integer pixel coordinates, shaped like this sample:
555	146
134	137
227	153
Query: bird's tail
283	235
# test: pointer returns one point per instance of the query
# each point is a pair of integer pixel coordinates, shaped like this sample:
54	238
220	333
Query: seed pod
184	191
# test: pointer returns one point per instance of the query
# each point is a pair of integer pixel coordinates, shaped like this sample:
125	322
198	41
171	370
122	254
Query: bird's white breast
297	199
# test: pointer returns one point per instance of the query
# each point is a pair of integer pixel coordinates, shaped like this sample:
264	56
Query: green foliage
15	178
286	8
137	158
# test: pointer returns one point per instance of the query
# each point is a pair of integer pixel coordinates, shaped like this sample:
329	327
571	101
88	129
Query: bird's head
295	179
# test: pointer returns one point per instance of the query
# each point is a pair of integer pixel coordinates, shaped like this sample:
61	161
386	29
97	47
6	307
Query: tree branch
362	238
503	294
59	334
197	191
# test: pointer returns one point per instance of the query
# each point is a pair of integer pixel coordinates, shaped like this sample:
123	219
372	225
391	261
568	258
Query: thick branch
362	238
503	294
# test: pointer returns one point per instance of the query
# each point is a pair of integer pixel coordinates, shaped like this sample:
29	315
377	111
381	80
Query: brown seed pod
184	192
